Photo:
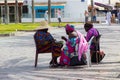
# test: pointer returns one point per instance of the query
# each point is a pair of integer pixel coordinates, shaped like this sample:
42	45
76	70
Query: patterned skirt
54	48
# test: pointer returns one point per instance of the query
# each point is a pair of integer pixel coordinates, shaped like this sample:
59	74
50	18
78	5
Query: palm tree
49	10
16	11
92	10
6	11
33	11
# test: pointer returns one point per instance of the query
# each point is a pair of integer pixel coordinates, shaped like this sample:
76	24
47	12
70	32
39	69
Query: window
82	0
40	11
25	9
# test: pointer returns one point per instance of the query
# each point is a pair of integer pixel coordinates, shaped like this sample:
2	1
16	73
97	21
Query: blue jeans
94	19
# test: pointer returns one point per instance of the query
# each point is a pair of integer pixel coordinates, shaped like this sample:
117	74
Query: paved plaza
17	55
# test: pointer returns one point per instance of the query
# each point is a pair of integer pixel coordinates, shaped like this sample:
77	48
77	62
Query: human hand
64	38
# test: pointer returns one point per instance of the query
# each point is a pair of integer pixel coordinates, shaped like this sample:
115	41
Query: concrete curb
11	34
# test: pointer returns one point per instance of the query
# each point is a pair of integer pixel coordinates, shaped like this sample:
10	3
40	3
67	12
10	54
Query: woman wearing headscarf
46	43
93	32
76	45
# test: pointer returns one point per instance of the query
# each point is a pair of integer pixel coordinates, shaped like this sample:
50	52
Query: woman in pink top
69	54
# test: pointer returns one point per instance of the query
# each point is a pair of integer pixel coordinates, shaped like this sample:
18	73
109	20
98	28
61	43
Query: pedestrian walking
118	16
108	17
59	17
46	16
113	18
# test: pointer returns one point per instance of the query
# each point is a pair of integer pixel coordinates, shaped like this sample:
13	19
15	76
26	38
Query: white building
72	10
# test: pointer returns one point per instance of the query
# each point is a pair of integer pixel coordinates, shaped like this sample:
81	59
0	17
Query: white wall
75	9
54	19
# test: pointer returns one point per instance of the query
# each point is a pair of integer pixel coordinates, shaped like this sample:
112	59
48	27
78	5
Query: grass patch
12	27
20	26
55	24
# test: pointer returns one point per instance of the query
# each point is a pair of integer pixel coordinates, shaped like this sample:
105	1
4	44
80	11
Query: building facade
11	10
71	10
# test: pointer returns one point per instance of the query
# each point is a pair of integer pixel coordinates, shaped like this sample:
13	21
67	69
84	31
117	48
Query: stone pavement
17	58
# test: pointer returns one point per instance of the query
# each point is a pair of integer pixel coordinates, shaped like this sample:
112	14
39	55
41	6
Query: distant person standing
86	16
59	16
108	17
113	18
118	16
46	16
94	15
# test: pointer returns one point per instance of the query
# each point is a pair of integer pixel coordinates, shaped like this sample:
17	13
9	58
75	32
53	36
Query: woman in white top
59	16
46	16
108	17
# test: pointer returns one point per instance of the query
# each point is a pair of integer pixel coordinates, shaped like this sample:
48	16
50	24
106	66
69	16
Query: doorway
11	14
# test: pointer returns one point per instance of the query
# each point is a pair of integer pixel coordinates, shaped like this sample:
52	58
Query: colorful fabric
69	51
92	32
45	43
69	28
83	45
96	54
56	46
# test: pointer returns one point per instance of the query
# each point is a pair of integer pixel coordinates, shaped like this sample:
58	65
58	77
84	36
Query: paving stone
17	55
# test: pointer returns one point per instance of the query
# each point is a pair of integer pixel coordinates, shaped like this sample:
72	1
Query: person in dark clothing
93	33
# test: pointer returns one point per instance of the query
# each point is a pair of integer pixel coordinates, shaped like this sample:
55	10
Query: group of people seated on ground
76	46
